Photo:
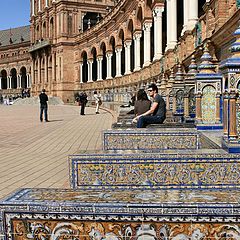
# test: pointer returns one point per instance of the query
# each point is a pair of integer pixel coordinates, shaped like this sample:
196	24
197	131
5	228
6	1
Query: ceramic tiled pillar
198	108
232	115
218	99
225	113
186	106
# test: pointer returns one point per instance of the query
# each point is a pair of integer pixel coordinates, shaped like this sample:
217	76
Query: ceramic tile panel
26	228
209	104
68	214
150	139
154	171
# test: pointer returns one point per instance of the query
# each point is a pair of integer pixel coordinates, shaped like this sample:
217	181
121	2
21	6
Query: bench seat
110	215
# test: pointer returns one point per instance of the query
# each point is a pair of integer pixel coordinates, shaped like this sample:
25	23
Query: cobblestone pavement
35	154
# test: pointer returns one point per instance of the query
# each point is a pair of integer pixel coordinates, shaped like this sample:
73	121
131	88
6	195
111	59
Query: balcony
39	45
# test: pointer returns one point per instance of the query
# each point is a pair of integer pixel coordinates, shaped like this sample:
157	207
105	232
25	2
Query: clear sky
14	13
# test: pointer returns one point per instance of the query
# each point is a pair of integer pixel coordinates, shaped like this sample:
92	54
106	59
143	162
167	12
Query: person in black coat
43	105
83	101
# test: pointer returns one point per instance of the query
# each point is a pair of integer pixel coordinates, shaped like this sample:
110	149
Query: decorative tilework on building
208	104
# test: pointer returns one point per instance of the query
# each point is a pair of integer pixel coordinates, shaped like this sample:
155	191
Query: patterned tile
154	171
165	214
150	139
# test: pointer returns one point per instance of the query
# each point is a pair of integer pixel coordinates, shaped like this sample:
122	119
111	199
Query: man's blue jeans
43	108
146	120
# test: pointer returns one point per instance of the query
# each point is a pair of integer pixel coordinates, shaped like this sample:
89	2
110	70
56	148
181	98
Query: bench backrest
154	171
150	139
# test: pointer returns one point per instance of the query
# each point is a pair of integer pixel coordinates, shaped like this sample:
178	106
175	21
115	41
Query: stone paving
35	154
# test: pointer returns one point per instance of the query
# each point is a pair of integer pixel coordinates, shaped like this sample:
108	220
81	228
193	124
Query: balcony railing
39	45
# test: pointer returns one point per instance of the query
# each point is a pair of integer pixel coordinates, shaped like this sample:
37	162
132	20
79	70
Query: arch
103	50
139	18
180	101
13	73
23	73
192	102
148	9
94	64
121	43
4	79
84	57
94	51
129	35
37	33
90	19
112	46
238	84
50	69
120	37
51	28
44	32
130	28
208	104
226	83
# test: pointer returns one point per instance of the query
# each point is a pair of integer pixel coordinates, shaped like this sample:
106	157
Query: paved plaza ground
35	154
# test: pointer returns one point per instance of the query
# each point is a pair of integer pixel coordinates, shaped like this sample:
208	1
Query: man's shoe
40	120
97	112
47	121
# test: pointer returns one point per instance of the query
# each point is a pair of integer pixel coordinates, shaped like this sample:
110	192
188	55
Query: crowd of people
9	99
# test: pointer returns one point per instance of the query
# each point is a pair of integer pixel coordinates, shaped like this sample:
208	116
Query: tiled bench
56	214
154	171
150	139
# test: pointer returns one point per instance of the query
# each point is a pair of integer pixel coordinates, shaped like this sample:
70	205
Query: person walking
157	113
43	105
83	101
98	101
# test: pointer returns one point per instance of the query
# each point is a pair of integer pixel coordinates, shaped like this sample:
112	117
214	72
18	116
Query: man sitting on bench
157	113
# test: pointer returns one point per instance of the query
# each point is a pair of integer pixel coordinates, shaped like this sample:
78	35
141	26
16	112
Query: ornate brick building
118	46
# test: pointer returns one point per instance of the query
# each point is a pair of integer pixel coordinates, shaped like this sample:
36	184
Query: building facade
117	47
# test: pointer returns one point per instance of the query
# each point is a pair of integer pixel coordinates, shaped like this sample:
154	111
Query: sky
14	13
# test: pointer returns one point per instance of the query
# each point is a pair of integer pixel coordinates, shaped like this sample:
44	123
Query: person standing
43	105
98	101
157	112
83	101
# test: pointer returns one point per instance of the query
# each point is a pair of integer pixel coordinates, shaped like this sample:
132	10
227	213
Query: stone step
141	171
112	215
